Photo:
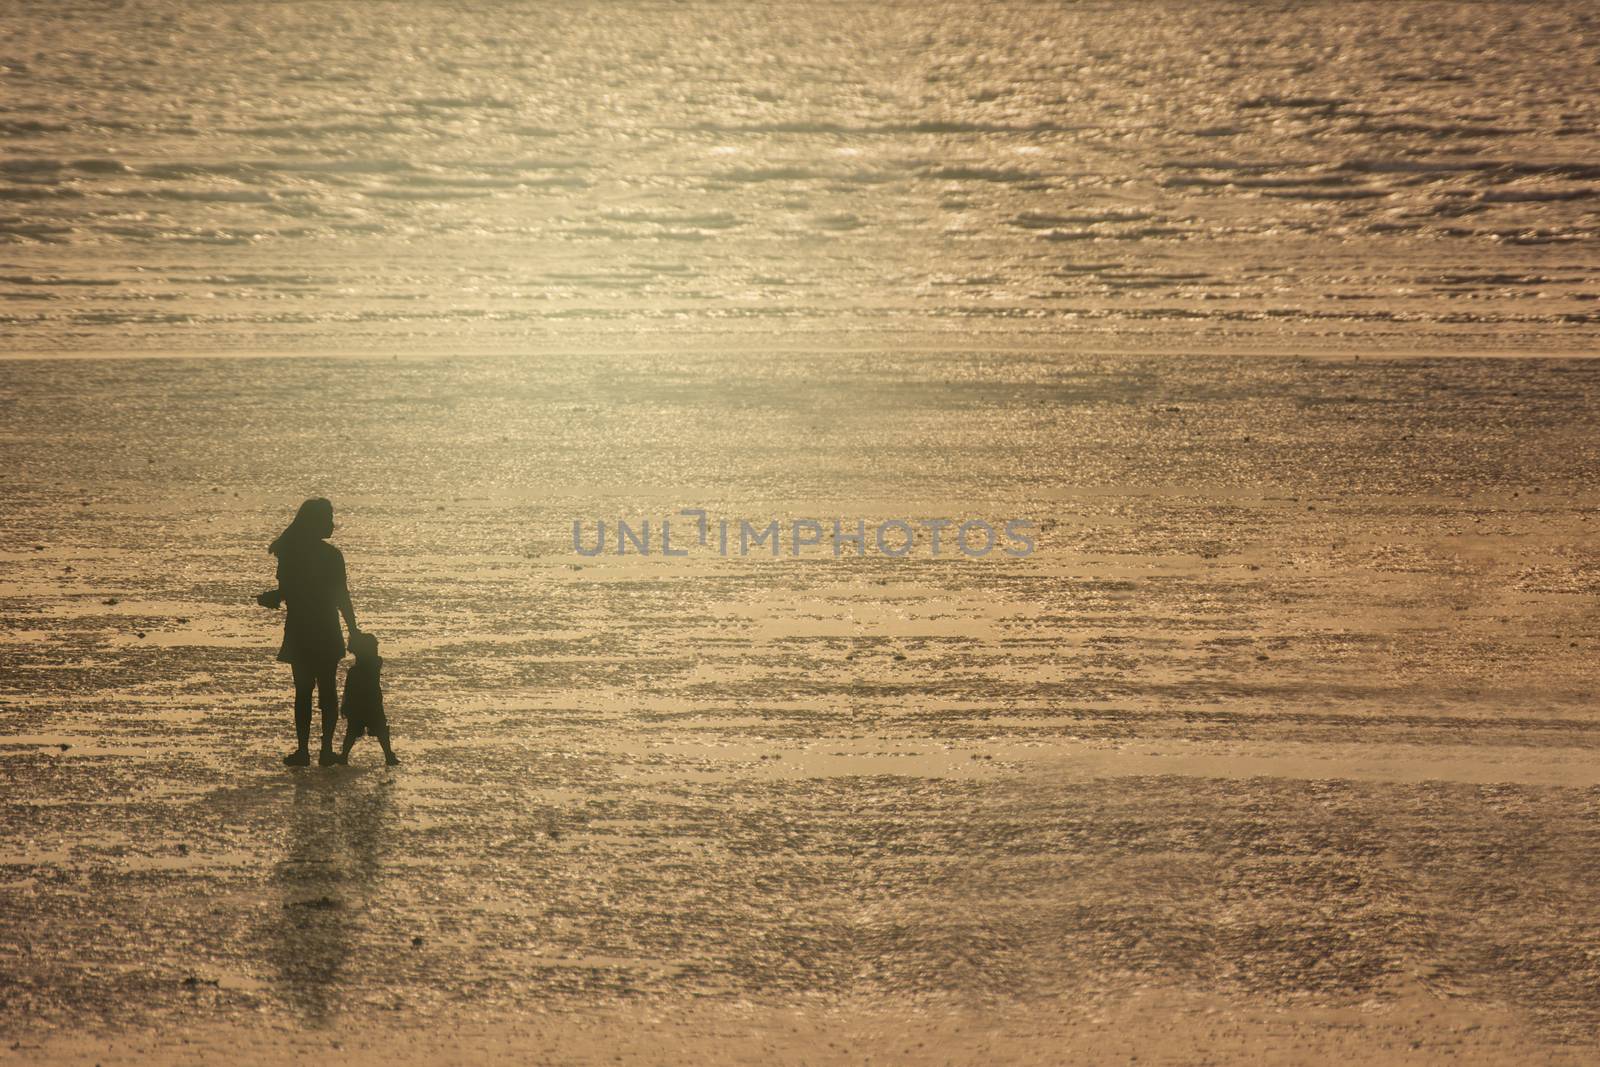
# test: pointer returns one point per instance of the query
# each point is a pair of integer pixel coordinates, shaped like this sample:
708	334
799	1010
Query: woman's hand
272	598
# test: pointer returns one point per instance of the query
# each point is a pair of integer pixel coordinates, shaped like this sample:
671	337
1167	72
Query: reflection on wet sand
327	883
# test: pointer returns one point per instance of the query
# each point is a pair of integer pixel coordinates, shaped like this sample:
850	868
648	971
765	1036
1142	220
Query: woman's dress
311	577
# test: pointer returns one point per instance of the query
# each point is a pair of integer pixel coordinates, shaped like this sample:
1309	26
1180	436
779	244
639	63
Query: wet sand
1279	749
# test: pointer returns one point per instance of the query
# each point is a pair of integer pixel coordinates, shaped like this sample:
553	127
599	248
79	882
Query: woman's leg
328	699
304	679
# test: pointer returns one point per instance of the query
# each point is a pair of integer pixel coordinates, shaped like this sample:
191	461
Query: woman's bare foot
298	758
391	759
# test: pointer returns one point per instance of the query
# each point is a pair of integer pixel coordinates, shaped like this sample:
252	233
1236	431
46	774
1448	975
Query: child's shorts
367	722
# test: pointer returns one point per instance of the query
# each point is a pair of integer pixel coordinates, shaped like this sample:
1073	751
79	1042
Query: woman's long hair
312	522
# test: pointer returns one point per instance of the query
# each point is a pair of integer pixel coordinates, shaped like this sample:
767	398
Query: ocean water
428	176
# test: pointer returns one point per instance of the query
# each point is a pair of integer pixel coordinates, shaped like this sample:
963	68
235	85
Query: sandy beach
1280	744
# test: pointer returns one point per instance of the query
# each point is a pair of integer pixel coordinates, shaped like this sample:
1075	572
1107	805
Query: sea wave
308	173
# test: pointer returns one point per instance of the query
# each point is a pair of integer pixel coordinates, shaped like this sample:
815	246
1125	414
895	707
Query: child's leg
352	734
382	734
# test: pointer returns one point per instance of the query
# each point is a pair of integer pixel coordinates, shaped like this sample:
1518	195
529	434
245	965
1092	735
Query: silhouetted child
363	699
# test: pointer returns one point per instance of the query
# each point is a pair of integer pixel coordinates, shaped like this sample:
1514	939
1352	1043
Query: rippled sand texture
1291	714
337	176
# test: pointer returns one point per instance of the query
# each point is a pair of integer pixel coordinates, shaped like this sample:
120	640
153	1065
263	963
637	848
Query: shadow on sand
325	885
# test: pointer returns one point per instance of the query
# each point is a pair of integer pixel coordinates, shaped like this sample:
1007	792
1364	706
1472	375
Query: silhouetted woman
311	580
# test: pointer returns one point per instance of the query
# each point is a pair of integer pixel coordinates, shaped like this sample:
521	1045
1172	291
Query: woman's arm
273	598
346	608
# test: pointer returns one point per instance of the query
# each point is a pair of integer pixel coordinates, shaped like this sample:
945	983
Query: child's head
363	645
